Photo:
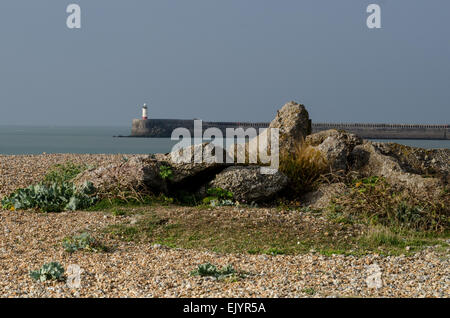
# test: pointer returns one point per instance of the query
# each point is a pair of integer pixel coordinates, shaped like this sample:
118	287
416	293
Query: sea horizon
32	140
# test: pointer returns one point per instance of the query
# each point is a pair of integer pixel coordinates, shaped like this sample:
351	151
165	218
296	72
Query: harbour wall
163	128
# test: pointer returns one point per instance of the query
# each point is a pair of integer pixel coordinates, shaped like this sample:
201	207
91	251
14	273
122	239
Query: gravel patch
23	170
30	239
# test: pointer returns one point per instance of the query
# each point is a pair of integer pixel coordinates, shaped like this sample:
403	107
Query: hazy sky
223	60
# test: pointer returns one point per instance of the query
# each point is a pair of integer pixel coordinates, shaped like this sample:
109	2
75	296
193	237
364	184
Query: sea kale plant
54	197
49	271
211	270
83	241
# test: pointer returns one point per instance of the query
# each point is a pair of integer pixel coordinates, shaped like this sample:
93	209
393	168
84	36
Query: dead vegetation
304	166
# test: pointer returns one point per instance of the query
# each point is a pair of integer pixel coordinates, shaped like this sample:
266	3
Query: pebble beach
30	239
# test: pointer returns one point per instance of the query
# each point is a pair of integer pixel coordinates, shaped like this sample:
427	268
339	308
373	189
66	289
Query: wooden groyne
162	128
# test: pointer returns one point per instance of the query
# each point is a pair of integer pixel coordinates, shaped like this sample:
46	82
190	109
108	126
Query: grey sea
15	140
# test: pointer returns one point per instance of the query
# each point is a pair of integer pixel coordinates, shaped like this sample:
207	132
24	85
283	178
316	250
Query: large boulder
335	146
368	160
248	184
293	124
133	174
199	161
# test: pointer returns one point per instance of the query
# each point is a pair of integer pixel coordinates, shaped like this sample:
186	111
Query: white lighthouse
144	112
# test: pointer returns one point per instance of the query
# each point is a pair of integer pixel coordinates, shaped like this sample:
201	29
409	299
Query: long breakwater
162	128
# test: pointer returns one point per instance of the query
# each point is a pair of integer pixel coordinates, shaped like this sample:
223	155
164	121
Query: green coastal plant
49	271
376	201
309	291
166	172
211	270
83	241
61	173
54	197
118	212
220	193
218	197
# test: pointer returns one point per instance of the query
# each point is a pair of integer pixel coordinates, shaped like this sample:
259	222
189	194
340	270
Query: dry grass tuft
304	166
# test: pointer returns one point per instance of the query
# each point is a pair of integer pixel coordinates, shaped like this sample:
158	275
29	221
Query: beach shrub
375	200
304	166
61	173
55	197
83	241
49	271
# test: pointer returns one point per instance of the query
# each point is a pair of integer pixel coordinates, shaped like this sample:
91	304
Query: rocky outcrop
402	166
335	146
368	160
433	162
208	166
248	184
135	173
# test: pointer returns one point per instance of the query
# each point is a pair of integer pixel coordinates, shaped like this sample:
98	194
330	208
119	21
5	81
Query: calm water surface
37	140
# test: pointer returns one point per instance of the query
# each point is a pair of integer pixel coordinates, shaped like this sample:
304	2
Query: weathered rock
293	124
350	139
248	184
136	173
435	162
335	146
368	160
322	197
202	159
